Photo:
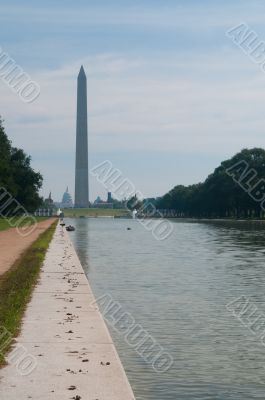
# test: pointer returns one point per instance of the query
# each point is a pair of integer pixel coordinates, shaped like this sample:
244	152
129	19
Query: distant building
48	203
67	201
48	208
109	198
98	200
98	203
45	212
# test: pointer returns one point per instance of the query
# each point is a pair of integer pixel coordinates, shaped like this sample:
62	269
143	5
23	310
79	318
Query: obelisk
81	161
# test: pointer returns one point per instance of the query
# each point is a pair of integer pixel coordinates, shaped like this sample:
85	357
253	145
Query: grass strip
95	212
17	284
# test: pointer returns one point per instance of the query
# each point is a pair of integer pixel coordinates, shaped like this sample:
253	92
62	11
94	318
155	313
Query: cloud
163	14
164	82
132	110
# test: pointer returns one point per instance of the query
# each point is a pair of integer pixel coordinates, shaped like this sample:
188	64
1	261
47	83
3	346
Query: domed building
67	201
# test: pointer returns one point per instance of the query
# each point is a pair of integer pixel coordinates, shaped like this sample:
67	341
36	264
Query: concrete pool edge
64	332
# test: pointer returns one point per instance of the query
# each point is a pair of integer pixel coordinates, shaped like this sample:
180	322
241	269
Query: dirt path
12	244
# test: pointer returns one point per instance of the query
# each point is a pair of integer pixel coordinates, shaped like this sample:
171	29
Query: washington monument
81	157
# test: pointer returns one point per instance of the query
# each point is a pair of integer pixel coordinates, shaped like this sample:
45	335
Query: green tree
27	181
225	193
17	175
6	179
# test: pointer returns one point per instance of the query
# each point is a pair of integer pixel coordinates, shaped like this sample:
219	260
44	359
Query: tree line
17	177
236	189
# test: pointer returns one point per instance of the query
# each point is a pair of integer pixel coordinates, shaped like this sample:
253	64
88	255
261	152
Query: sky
170	95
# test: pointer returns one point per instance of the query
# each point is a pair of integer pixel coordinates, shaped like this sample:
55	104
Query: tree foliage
223	194
16	174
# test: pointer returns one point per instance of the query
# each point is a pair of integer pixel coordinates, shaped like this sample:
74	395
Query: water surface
178	290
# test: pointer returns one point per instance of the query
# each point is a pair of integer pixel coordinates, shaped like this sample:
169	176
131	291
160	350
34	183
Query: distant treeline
236	189
17	178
